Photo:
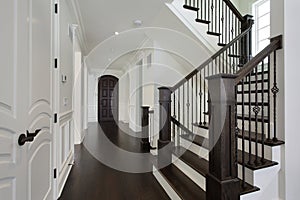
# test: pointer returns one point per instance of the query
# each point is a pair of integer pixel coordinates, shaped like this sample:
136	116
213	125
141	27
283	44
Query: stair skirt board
165	185
196	177
267	180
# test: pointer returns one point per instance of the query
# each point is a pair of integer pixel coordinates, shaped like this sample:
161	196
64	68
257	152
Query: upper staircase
218	125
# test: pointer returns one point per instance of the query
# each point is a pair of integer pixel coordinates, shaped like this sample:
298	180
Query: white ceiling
101	19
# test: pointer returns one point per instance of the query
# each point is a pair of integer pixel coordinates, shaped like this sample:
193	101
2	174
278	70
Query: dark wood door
108	98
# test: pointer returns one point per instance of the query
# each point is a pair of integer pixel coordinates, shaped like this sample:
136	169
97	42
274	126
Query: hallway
90	179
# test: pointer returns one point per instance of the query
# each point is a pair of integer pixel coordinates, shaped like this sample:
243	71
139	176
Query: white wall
65	58
292	98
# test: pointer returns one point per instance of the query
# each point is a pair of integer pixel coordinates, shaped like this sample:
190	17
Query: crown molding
81	33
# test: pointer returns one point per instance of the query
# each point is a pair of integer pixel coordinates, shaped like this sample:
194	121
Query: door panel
39	115
25	100
108	98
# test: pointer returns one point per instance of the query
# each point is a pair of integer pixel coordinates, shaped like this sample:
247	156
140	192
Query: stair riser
259	99
190	172
259	126
253	86
165	185
201	132
268	149
198	150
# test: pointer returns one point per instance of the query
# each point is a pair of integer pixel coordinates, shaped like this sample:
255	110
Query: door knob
27	138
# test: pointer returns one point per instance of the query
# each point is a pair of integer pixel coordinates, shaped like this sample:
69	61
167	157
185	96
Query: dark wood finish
248	67
145	144
252	137
222	182
209	60
190	8
184	186
201	166
234	10
108	98
164	142
90	179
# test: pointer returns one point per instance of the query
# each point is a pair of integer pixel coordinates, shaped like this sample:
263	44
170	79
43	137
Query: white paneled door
26	73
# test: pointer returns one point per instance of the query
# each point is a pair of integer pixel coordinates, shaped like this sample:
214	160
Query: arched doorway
108	98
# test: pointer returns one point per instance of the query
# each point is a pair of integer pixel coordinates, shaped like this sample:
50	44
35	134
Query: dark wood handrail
234	10
177	123
195	71
276	43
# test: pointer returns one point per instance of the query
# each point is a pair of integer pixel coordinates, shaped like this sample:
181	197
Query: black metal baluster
243	132
208	16
262	114
192	100
275	90
222	20
183	105
200	96
256	110
269	100
196	97
226	23
174	114
249	120
204	94
188	104
216	17
178	95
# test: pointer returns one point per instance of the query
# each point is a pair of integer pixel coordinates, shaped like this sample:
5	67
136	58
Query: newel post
246	42
145	144
221	181
164	142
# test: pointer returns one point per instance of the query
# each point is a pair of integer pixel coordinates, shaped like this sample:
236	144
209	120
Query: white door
26	172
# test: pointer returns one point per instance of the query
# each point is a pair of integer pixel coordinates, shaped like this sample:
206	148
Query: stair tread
194	161
190	8
183	185
252	103
233	56
204	142
259	135
253	118
253	91
204	126
213	33
221	44
267	163
253	82
202	166
202	21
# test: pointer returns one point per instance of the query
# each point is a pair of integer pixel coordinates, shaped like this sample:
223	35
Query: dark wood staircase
225	108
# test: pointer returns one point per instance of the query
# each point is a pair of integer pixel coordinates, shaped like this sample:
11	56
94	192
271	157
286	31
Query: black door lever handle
33	134
27	138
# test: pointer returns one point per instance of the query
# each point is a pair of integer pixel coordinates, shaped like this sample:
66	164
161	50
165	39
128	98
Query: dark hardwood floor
92	180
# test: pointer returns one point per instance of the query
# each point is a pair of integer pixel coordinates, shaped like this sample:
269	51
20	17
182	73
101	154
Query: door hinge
56	8
55	173
55	118
55	63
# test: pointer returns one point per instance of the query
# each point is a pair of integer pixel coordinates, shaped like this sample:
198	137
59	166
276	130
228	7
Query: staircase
218	125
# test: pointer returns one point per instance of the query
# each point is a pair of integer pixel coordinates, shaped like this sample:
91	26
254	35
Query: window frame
256	42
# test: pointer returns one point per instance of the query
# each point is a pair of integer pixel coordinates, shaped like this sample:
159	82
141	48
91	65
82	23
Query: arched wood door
108	98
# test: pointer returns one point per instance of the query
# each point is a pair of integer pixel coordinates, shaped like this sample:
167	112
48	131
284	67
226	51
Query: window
261	13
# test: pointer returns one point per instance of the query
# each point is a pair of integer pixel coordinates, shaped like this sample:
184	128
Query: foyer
93	180
203	94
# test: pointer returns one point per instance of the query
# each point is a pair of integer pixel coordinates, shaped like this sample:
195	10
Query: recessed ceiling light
116	33
138	22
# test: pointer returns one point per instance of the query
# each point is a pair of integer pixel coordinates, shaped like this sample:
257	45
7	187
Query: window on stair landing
261	29
261	34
